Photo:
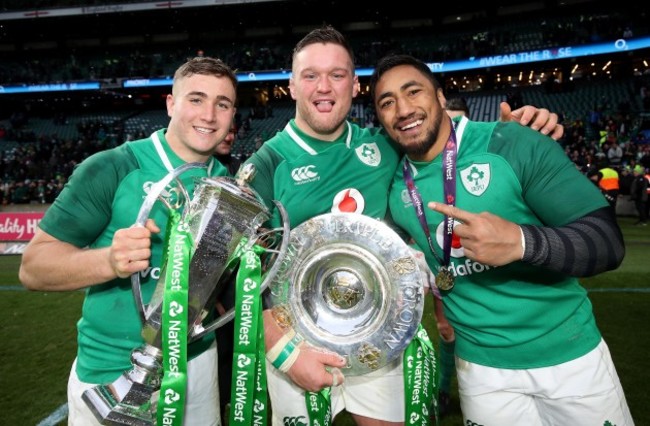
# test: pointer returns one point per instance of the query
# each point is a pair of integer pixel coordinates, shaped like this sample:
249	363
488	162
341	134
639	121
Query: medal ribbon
248	403
420	386
420	380
171	402
449	184
319	407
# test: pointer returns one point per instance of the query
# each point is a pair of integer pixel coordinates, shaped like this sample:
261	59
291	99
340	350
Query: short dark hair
324	34
206	65
391	61
457	104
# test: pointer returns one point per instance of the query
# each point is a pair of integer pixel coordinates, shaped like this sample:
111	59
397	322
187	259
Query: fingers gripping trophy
207	236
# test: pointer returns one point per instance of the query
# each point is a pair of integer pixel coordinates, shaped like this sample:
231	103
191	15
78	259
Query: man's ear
169	102
441	98
293	96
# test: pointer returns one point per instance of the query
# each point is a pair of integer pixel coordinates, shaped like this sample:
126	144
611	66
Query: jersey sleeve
551	184
266	161
83	208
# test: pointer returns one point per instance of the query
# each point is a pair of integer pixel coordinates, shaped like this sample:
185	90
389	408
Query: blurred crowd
35	172
36	167
274	53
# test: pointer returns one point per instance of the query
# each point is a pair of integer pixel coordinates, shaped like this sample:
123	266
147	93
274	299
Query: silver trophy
350	284
222	214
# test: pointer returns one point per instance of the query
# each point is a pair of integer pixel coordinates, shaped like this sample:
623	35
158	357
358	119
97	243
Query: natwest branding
19	226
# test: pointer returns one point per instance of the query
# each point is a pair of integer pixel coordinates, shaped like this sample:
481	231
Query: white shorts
585	391
202	399
377	395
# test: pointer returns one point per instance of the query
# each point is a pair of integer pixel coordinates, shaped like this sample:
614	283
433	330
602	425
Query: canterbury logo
294	421
301	174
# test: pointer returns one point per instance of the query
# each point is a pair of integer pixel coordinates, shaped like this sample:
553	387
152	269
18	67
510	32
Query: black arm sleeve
586	247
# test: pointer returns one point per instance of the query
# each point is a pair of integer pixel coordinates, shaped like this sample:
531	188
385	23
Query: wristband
285	352
286	365
523	243
284	355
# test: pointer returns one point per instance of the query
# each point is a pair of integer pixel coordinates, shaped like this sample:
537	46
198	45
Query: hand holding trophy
207	236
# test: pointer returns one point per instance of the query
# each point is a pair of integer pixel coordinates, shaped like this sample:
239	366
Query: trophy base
110	409
128	400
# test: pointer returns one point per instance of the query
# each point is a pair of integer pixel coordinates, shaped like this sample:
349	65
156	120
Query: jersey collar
305	146
164	158
460	129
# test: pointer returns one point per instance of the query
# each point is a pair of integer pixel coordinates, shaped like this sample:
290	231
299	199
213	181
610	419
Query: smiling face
410	109
323	84
201	108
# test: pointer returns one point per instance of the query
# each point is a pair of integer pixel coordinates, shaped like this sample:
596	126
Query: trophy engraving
343	289
223	214
369	355
404	265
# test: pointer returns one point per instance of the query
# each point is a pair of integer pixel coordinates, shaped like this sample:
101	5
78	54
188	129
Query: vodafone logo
349	200
457	249
304	174
458	269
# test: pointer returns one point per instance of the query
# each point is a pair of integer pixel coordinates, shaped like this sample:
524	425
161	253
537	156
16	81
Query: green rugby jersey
105	194
312	177
518	315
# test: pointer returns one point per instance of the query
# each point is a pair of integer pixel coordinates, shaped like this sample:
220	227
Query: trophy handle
269	277
143	215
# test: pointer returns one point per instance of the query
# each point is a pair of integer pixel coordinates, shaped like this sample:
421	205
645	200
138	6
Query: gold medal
444	279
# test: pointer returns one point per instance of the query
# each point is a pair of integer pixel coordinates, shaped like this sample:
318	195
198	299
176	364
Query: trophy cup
222	214
350	284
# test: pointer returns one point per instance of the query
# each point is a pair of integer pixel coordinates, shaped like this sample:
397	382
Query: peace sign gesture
485	237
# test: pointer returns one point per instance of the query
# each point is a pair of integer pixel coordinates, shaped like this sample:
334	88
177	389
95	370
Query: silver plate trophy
222	213
350	284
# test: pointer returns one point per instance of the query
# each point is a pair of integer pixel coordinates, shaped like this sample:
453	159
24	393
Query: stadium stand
45	124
